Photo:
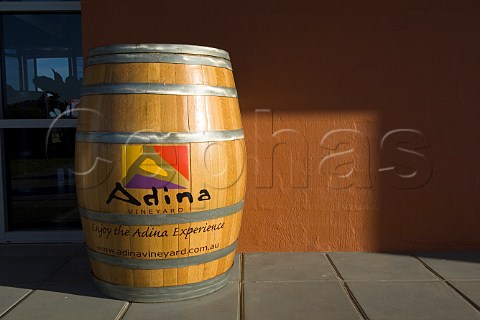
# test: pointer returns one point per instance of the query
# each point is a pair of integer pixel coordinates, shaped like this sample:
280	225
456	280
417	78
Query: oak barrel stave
160	163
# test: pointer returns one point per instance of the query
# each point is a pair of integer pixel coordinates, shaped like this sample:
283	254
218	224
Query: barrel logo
158	166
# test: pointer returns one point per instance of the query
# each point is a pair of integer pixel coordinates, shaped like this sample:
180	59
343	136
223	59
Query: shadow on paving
54	281
65	267
52	267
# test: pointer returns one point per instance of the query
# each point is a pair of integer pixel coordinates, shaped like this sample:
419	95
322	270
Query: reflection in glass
33	0
42	56
42	183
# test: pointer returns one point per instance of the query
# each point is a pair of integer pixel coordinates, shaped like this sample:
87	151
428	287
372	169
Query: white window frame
33	236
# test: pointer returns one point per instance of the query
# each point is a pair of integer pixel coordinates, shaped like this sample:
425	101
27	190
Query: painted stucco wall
361	117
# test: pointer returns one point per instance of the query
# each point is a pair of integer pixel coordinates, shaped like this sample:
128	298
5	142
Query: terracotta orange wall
361	117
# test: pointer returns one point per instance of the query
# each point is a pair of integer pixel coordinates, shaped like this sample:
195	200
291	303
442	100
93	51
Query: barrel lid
158	48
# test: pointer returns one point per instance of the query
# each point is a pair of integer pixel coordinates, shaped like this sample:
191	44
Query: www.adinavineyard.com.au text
158	254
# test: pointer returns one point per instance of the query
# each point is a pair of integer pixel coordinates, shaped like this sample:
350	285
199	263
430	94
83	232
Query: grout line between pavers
334	267
347	290
123	311
448	283
466	298
292	281
241	302
16	304
58	269
13	306
426	266
354	300
82	248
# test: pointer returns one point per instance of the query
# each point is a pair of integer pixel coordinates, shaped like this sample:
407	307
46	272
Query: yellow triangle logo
150	166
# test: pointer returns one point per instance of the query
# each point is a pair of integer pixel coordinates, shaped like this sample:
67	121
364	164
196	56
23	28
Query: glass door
42	71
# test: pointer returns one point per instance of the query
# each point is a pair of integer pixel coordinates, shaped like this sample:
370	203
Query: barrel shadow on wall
321	66
351	182
405	78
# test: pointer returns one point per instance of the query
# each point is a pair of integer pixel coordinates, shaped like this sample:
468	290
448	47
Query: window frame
16	7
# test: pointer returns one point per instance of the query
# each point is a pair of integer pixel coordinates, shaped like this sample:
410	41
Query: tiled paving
54	282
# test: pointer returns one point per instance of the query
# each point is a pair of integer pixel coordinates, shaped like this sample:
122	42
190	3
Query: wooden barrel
160	170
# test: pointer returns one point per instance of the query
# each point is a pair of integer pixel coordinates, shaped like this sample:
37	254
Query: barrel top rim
158	48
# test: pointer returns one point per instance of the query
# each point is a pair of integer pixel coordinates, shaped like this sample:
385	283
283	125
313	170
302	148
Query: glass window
42	59
42	55
12	72
34	0
41	180
57	66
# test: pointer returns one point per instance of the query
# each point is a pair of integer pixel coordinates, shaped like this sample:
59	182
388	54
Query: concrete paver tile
297	300
236	274
28	272
287	266
9	296
37	250
355	266
76	271
471	289
57	302
219	305
453	266
411	300
277	286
